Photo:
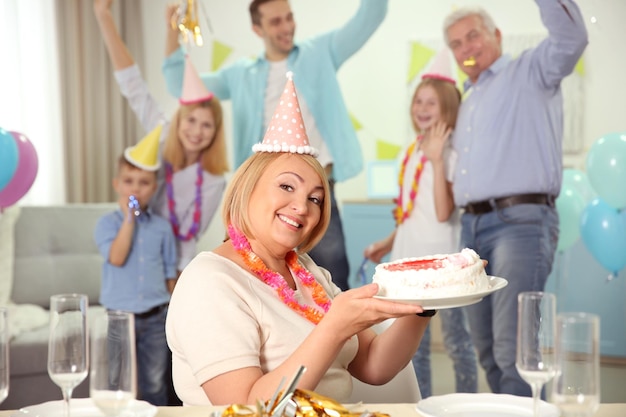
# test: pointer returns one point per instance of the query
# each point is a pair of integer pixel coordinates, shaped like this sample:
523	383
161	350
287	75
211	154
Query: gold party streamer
188	22
307	404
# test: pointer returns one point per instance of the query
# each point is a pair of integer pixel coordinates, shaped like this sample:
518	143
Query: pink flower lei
278	283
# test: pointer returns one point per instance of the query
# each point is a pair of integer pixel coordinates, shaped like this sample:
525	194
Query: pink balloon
27	165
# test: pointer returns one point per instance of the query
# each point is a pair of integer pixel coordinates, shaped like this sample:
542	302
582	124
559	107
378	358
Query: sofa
44	250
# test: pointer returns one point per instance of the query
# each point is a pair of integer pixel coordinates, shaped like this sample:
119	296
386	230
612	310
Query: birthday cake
434	276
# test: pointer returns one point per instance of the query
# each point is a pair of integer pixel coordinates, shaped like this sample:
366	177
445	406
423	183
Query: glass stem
67	394
536	391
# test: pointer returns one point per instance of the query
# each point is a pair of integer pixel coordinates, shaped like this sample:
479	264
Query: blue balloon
606	168
9	156
570	206
603	230
580	181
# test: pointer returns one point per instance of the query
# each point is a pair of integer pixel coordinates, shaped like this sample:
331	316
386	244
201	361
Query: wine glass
4	353
576	387
68	357
113	374
536	313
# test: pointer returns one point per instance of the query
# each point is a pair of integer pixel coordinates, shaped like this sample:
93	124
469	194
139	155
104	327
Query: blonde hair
449	100
244	181
213	157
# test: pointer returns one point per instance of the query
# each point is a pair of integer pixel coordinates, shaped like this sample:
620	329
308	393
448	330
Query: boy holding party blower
139	271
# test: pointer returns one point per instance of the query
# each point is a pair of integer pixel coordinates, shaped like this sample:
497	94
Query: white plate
83	407
495	283
483	405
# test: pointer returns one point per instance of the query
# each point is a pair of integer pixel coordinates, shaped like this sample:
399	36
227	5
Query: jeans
519	242
153	359
459	347
330	252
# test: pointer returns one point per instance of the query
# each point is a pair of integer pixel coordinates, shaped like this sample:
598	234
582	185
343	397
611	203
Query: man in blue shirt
255	84
508	139
139	274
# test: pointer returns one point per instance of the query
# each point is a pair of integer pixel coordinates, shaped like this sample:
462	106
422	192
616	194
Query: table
394	410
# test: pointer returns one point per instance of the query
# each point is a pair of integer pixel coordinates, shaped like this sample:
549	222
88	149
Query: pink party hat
440	69
286	131
194	90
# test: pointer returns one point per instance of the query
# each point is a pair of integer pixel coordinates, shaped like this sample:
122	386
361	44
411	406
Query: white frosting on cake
433	276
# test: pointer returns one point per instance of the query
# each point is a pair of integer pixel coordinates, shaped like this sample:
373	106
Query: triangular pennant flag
355	123
220	53
580	67
461	77
386	150
420	55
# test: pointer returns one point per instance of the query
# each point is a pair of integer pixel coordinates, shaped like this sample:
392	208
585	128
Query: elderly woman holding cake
255	309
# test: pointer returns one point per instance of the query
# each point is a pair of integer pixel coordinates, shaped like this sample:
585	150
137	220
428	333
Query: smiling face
134	181
285	205
470	40
277	27
196	131
426	108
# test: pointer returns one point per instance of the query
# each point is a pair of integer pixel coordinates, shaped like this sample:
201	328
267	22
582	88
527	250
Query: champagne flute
68	357
535	361
113	374
576	387
4	353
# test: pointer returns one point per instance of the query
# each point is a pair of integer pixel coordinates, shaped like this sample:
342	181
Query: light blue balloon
580	181
603	230
570	206
8	157
606	168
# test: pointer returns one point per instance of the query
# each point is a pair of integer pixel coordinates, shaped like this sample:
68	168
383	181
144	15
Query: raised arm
171	39
118	52
556	56
348	39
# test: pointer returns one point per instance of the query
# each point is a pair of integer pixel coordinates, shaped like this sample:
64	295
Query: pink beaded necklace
278	283
400	213
171	204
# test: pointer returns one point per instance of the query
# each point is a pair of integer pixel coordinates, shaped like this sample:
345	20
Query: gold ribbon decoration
188	22
308	404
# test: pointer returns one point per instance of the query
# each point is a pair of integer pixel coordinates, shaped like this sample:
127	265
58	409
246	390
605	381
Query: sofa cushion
55	252
8	218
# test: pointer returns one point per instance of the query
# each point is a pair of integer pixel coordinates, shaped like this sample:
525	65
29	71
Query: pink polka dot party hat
286	132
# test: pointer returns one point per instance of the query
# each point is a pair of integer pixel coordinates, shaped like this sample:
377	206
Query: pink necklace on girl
278	283
171	204
400	213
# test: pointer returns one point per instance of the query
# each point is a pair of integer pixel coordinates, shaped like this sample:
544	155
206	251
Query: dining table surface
394	410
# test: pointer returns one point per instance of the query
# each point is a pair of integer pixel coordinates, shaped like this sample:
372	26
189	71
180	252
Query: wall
377	73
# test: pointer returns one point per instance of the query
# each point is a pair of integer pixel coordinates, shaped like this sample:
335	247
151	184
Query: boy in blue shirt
139	272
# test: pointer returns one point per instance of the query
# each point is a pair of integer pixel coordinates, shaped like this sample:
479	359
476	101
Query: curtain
29	98
97	123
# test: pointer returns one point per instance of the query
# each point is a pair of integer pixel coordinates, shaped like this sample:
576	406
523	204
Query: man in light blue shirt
254	86
508	139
